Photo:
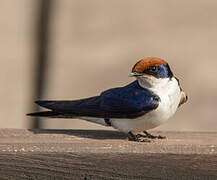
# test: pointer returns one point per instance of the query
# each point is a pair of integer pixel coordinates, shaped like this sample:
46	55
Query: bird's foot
147	135
137	137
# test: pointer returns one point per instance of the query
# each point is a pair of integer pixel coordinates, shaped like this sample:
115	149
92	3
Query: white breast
170	95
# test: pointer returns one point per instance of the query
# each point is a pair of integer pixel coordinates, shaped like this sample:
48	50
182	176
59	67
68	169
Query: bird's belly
145	122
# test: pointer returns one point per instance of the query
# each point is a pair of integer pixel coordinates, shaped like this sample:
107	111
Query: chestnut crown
154	66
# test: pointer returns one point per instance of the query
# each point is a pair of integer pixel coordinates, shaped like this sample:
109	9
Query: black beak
135	74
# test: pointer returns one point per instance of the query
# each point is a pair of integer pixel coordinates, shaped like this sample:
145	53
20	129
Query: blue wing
130	101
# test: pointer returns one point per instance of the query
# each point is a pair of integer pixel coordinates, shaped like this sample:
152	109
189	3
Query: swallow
143	104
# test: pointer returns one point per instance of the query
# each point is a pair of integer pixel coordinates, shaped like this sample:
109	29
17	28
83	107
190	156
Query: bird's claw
137	137
150	136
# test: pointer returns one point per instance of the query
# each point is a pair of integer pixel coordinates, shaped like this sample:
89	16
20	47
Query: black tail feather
51	114
46	104
44	114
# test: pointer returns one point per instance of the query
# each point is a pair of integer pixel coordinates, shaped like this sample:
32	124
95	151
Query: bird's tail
51	114
56	110
68	109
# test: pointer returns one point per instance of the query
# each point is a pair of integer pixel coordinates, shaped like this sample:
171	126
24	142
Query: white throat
155	84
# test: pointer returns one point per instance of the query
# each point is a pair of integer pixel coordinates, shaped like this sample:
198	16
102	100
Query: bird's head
151	70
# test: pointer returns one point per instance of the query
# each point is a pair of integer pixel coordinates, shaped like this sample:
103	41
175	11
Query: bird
147	102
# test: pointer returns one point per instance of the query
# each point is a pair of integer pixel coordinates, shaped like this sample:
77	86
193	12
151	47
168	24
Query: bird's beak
134	74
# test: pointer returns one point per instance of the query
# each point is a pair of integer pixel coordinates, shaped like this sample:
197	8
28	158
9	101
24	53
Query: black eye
153	69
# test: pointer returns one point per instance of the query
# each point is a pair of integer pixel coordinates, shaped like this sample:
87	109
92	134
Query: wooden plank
92	154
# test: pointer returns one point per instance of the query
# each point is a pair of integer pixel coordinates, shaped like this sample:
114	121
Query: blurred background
71	49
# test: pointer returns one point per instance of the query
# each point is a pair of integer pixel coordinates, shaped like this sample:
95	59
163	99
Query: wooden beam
92	154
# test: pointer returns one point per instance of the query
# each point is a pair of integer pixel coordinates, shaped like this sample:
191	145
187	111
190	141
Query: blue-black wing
130	101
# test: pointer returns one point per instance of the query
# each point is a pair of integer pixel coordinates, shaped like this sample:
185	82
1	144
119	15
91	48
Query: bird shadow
92	134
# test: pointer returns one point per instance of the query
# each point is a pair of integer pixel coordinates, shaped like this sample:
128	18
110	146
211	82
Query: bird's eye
153	68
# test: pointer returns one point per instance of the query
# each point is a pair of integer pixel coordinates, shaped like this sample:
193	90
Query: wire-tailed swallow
144	104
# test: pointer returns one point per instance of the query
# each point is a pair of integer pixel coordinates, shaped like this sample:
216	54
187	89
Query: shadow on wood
93	134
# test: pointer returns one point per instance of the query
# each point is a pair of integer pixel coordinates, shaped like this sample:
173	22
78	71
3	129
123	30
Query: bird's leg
137	137
152	136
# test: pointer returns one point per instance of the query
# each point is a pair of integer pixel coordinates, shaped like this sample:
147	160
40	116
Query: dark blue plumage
130	101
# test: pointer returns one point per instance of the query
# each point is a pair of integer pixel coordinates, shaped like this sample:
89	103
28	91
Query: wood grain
92	154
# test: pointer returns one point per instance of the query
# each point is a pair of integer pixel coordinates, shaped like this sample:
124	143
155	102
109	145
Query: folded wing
127	102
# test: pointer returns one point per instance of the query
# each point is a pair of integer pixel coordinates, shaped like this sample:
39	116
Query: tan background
95	43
